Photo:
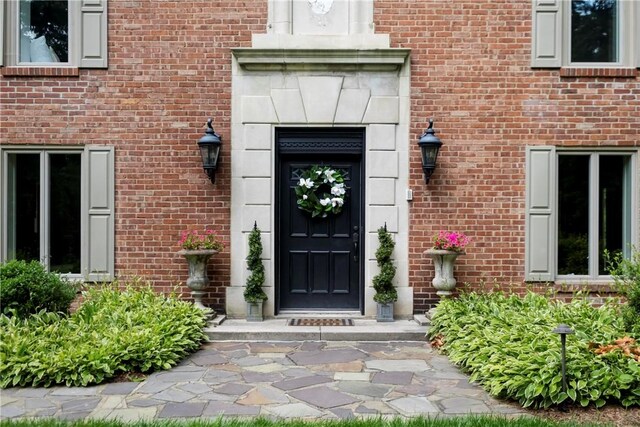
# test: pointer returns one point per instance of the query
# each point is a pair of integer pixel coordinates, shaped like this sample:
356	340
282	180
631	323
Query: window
585	33
43	30
579	204
54	33
594	31
57	208
594	211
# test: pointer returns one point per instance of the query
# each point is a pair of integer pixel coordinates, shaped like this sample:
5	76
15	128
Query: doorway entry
319	263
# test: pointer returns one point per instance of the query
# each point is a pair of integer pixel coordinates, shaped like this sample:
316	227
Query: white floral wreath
321	191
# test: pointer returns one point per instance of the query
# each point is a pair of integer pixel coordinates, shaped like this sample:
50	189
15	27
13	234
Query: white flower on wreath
329	176
337	201
325	202
338	189
306	183
305	197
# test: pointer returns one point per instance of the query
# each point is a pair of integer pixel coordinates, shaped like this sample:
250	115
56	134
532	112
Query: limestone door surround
319	81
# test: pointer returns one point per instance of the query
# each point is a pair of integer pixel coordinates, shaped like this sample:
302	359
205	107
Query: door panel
318	265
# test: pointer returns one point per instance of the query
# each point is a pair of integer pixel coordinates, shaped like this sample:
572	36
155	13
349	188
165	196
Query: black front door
319	259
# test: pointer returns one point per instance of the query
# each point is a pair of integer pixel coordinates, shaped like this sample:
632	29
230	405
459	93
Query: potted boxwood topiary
386	293
253	294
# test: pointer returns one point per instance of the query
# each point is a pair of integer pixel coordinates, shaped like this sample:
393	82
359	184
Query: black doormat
320	322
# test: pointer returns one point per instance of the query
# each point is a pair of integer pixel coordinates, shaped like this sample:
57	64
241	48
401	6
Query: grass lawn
470	421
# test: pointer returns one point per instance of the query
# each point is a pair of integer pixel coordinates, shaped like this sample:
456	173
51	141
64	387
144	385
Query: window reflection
44	31
594	31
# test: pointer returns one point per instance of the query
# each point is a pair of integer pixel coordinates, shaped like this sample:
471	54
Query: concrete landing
278	330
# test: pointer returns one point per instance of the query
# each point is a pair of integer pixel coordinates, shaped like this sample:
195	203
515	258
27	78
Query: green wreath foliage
321	191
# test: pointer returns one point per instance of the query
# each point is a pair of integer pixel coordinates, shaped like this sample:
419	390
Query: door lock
356	241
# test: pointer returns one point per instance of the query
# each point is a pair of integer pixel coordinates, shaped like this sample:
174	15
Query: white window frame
87	35
97	207
594	208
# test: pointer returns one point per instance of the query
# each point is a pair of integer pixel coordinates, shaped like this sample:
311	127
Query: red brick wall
169	70
470	71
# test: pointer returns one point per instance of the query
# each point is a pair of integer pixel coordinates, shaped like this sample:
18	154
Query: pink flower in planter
450	241
192	240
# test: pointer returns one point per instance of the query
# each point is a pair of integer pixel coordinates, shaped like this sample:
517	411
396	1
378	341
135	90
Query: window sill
40	71
601	286
607	72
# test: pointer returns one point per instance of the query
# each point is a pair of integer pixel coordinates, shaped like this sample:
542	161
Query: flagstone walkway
312	379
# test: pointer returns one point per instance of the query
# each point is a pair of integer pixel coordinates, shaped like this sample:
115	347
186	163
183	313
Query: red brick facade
170	69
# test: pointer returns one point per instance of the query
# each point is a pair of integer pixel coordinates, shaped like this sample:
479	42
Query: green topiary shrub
383	281
114	331
254	293
27	288
626	274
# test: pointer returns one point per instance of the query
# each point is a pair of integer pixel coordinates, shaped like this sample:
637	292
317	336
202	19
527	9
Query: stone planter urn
443	261
198	280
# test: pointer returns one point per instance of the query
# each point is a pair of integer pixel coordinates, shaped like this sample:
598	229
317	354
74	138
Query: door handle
356	240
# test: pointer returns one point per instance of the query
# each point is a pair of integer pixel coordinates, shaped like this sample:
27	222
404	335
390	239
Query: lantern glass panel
429	155
209	154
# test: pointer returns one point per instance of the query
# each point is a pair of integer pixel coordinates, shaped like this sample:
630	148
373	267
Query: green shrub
112	332
254	293
626	274
26	288
383	281
507	344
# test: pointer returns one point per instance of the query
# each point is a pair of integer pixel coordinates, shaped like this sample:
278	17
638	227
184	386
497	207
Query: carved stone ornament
320	7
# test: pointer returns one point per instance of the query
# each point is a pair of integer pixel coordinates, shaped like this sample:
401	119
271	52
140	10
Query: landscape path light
563	330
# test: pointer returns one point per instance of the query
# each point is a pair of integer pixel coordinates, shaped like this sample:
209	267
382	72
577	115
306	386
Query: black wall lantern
429	145
210	150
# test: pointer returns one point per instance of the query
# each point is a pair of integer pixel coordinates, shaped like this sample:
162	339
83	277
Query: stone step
277	330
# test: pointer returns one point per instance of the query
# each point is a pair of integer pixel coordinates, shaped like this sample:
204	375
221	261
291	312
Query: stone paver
311	379
323	397
361	388
397	378
301	382
295	410
173	395
119	388
393	365
215	409
182	410
412	406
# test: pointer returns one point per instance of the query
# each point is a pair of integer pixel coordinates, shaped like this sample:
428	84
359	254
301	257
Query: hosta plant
114	331
507	345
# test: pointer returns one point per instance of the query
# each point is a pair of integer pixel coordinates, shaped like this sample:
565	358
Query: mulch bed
614	415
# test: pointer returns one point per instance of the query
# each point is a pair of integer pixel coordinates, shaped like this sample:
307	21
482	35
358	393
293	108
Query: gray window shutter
546	34
636	28
93	34
3	28
98	226
540	224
